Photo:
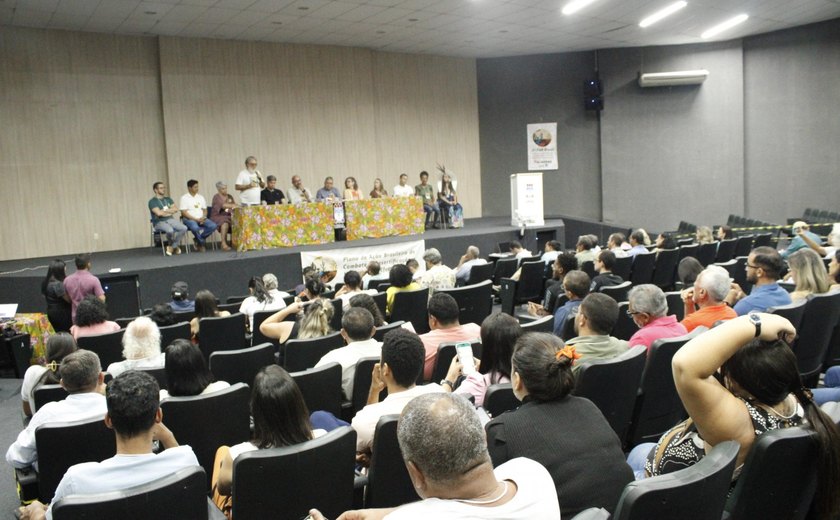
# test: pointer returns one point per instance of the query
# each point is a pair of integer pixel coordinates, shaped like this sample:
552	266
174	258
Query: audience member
833	245
517	251
329	193
82	377
414	266
403	189
352	286
401	280
271	194
205	307
445	328
469	259
223	204
425	191
649	310
378	191
297	193
249	182
194	214
666	241
725	233
187	373
764	265
314	322
163	315
583	250
596	318
704	301
564	264
498	334
442	443
180	301
82	283
617	243
165	220
799	230
688	270
603	266
357	329
437	275
59	345
92	319
637	243
400	365
313	289
134	414
265	297
552	250
351	189
366	301
447	199
566	434
576	284
141	347
834	271
808	272
59	310
703	235
373	272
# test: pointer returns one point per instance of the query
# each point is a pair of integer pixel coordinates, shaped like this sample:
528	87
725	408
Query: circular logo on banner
541	138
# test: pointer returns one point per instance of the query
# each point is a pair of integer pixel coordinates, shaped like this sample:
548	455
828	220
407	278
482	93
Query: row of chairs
815	216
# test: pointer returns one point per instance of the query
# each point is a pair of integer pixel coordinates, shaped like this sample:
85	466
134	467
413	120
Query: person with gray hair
81	375
649	310
220	213
444	448
585	249
704	301
141	347
469	259
437	275
357	329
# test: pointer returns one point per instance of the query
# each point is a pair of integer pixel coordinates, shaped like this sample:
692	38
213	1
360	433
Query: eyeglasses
633	313
754	266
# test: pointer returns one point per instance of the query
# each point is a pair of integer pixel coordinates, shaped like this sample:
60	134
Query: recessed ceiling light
303	8
150	12
662	13
575	6
277	23
728	24
413	19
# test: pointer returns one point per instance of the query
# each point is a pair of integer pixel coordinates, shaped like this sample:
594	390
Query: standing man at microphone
249	183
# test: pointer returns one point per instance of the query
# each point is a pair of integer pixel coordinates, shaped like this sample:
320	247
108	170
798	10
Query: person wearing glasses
596	318
764	265
249	183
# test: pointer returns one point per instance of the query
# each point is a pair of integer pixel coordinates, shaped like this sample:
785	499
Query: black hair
186	370
515	245
399	276
373	266
769	260
315	287
411	262
133	400
403	352
424	172
281	417
837	259
82	260
366	301
727	232
607	258
260	292
205	304
638	237
191	183
91	311
577	283
352	279
668	241
357	323
444	308
617	239
546	377
499	333
59	346
568	261
55	272
601	312
163	315
688	270
156	184
555	245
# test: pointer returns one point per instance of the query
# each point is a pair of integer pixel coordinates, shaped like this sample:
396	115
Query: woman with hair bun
566	434
58	346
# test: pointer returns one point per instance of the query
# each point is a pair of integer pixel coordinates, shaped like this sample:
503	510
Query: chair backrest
625	327
338	313
181	316
445	353
665	268
222	333
107	346
530	283
379	335
642	268
241	366
617	292
206	422
499	399
588	267
61	445
48	393
743	246
170	333
707	253
762	239
689	250
792	311
257	337
676	306
381	300
123	322
361	383
480	273
159	374
232	308
779	477
321	388
818	322
612	384
475	302
658	406
623	267
236	299
504	268
177	496
285	483
694	493
544	324
388	482
412	306
726	250
376	284
301	354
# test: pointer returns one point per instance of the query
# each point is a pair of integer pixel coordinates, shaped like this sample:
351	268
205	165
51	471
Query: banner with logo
357	258
542	146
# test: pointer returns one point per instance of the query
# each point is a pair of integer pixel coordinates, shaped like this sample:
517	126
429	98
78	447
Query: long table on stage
287	225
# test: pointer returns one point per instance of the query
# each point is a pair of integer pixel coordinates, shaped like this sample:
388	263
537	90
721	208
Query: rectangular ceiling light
662	13
575	6
728	24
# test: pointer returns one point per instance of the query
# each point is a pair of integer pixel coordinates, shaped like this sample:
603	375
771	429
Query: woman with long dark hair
58	346
187	373
448	201
58	303
205	307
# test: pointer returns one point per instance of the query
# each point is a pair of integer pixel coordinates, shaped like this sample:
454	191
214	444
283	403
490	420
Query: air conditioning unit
670	79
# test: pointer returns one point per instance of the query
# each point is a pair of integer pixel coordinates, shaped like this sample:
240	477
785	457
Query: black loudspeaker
593	94
122	295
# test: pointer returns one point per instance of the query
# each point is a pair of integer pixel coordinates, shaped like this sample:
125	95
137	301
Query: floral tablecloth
38	326
385	217
282	225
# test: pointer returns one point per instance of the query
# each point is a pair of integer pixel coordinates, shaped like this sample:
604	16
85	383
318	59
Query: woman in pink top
499	332
92	318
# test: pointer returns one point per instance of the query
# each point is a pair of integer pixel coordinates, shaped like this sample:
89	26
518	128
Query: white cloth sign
357	258
542	146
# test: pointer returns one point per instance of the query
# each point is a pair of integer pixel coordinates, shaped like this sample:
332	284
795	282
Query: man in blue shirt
576	283
800	228
763	268
328	192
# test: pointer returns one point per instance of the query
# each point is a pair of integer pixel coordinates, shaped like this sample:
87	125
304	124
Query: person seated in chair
133	412
426	192
181	298
468	260
141	347
605	277
82	377
437	275
704	305
764	266
564	264
649	309
165	218
637	241
357	329
799	229
194	214
576	285
584	249
445	328
596	318
617	243
517	251
373	272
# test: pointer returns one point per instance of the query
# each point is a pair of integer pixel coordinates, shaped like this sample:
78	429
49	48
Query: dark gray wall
792	121
513	92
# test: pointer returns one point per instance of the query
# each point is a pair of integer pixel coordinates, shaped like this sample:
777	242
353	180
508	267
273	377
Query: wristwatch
755	319
445	381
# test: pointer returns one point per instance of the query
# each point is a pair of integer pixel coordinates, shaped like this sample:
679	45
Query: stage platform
226	273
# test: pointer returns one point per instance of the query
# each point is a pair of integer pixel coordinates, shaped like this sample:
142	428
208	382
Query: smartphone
465	356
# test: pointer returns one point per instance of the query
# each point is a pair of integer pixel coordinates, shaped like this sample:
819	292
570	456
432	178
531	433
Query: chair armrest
27	484
593	513
360	482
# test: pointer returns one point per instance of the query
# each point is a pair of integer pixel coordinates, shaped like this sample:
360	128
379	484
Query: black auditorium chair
642	268
706	254
762	239
504	268
159	374
361	383
241	366
221	333
588	267
300	354
527	288
44	394
499	399
726	250
623	267
792	311
321	388
170	333
232	308
379	335
338	313
479	273
743	246
617	292
814	335
689	250
676	306
475	302
412	306
257	337
387	482
236	299
445	353
625	327
381	300
285	483
544	324
665	269
107	346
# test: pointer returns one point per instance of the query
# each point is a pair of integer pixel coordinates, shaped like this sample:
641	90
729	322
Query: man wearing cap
271	195
181	298
800	228
249	182
194	212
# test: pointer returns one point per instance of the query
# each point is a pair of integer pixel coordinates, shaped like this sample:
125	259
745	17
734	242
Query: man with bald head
469	259
297	193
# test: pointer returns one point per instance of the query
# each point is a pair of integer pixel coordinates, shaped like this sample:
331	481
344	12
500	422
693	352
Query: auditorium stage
227	273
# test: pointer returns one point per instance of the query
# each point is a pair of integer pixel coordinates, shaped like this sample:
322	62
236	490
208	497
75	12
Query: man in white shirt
437	275
82	377
194	213
134	414
444	448
297	193
373	273
357	329
553	249
403	189
468	260
249	183
398	369
518	251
